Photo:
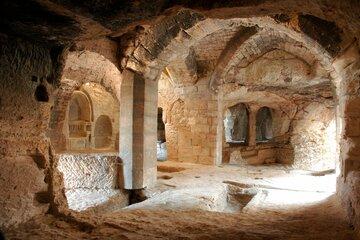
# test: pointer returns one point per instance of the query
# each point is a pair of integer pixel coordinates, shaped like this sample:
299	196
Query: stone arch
80	67
62	97
264	125
269	39
159	46
87	66
313	46
79	121
80	107
103	132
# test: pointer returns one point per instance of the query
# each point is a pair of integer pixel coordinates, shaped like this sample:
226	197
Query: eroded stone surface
90	179
26	180
300	211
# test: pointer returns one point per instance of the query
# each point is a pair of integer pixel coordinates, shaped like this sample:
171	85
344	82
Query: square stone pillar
219	130
138	130
252	125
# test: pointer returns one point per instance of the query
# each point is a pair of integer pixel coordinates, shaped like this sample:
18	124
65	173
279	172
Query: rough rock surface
28	182
286	212
90	179
314	138
24	113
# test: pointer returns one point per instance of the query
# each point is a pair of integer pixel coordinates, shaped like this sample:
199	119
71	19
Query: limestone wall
30	76
190	116
349	117
20	182
313	137
90	179
275	68
23	123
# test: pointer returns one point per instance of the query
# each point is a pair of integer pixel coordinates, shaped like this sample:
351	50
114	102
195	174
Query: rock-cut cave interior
177	119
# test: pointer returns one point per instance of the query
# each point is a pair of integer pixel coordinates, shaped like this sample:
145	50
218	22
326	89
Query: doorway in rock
161	149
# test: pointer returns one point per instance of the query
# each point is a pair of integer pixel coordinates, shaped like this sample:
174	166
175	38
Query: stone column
219	129
348	66
350	139
138	129
252	125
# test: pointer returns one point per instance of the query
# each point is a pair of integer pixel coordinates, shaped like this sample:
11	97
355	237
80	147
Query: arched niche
80	107
264	128
236	124
79	121
103	132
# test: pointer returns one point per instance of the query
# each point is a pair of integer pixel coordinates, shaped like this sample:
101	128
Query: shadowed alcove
236	124
264	125
79	122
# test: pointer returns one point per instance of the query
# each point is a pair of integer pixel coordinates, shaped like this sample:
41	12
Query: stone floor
207	202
